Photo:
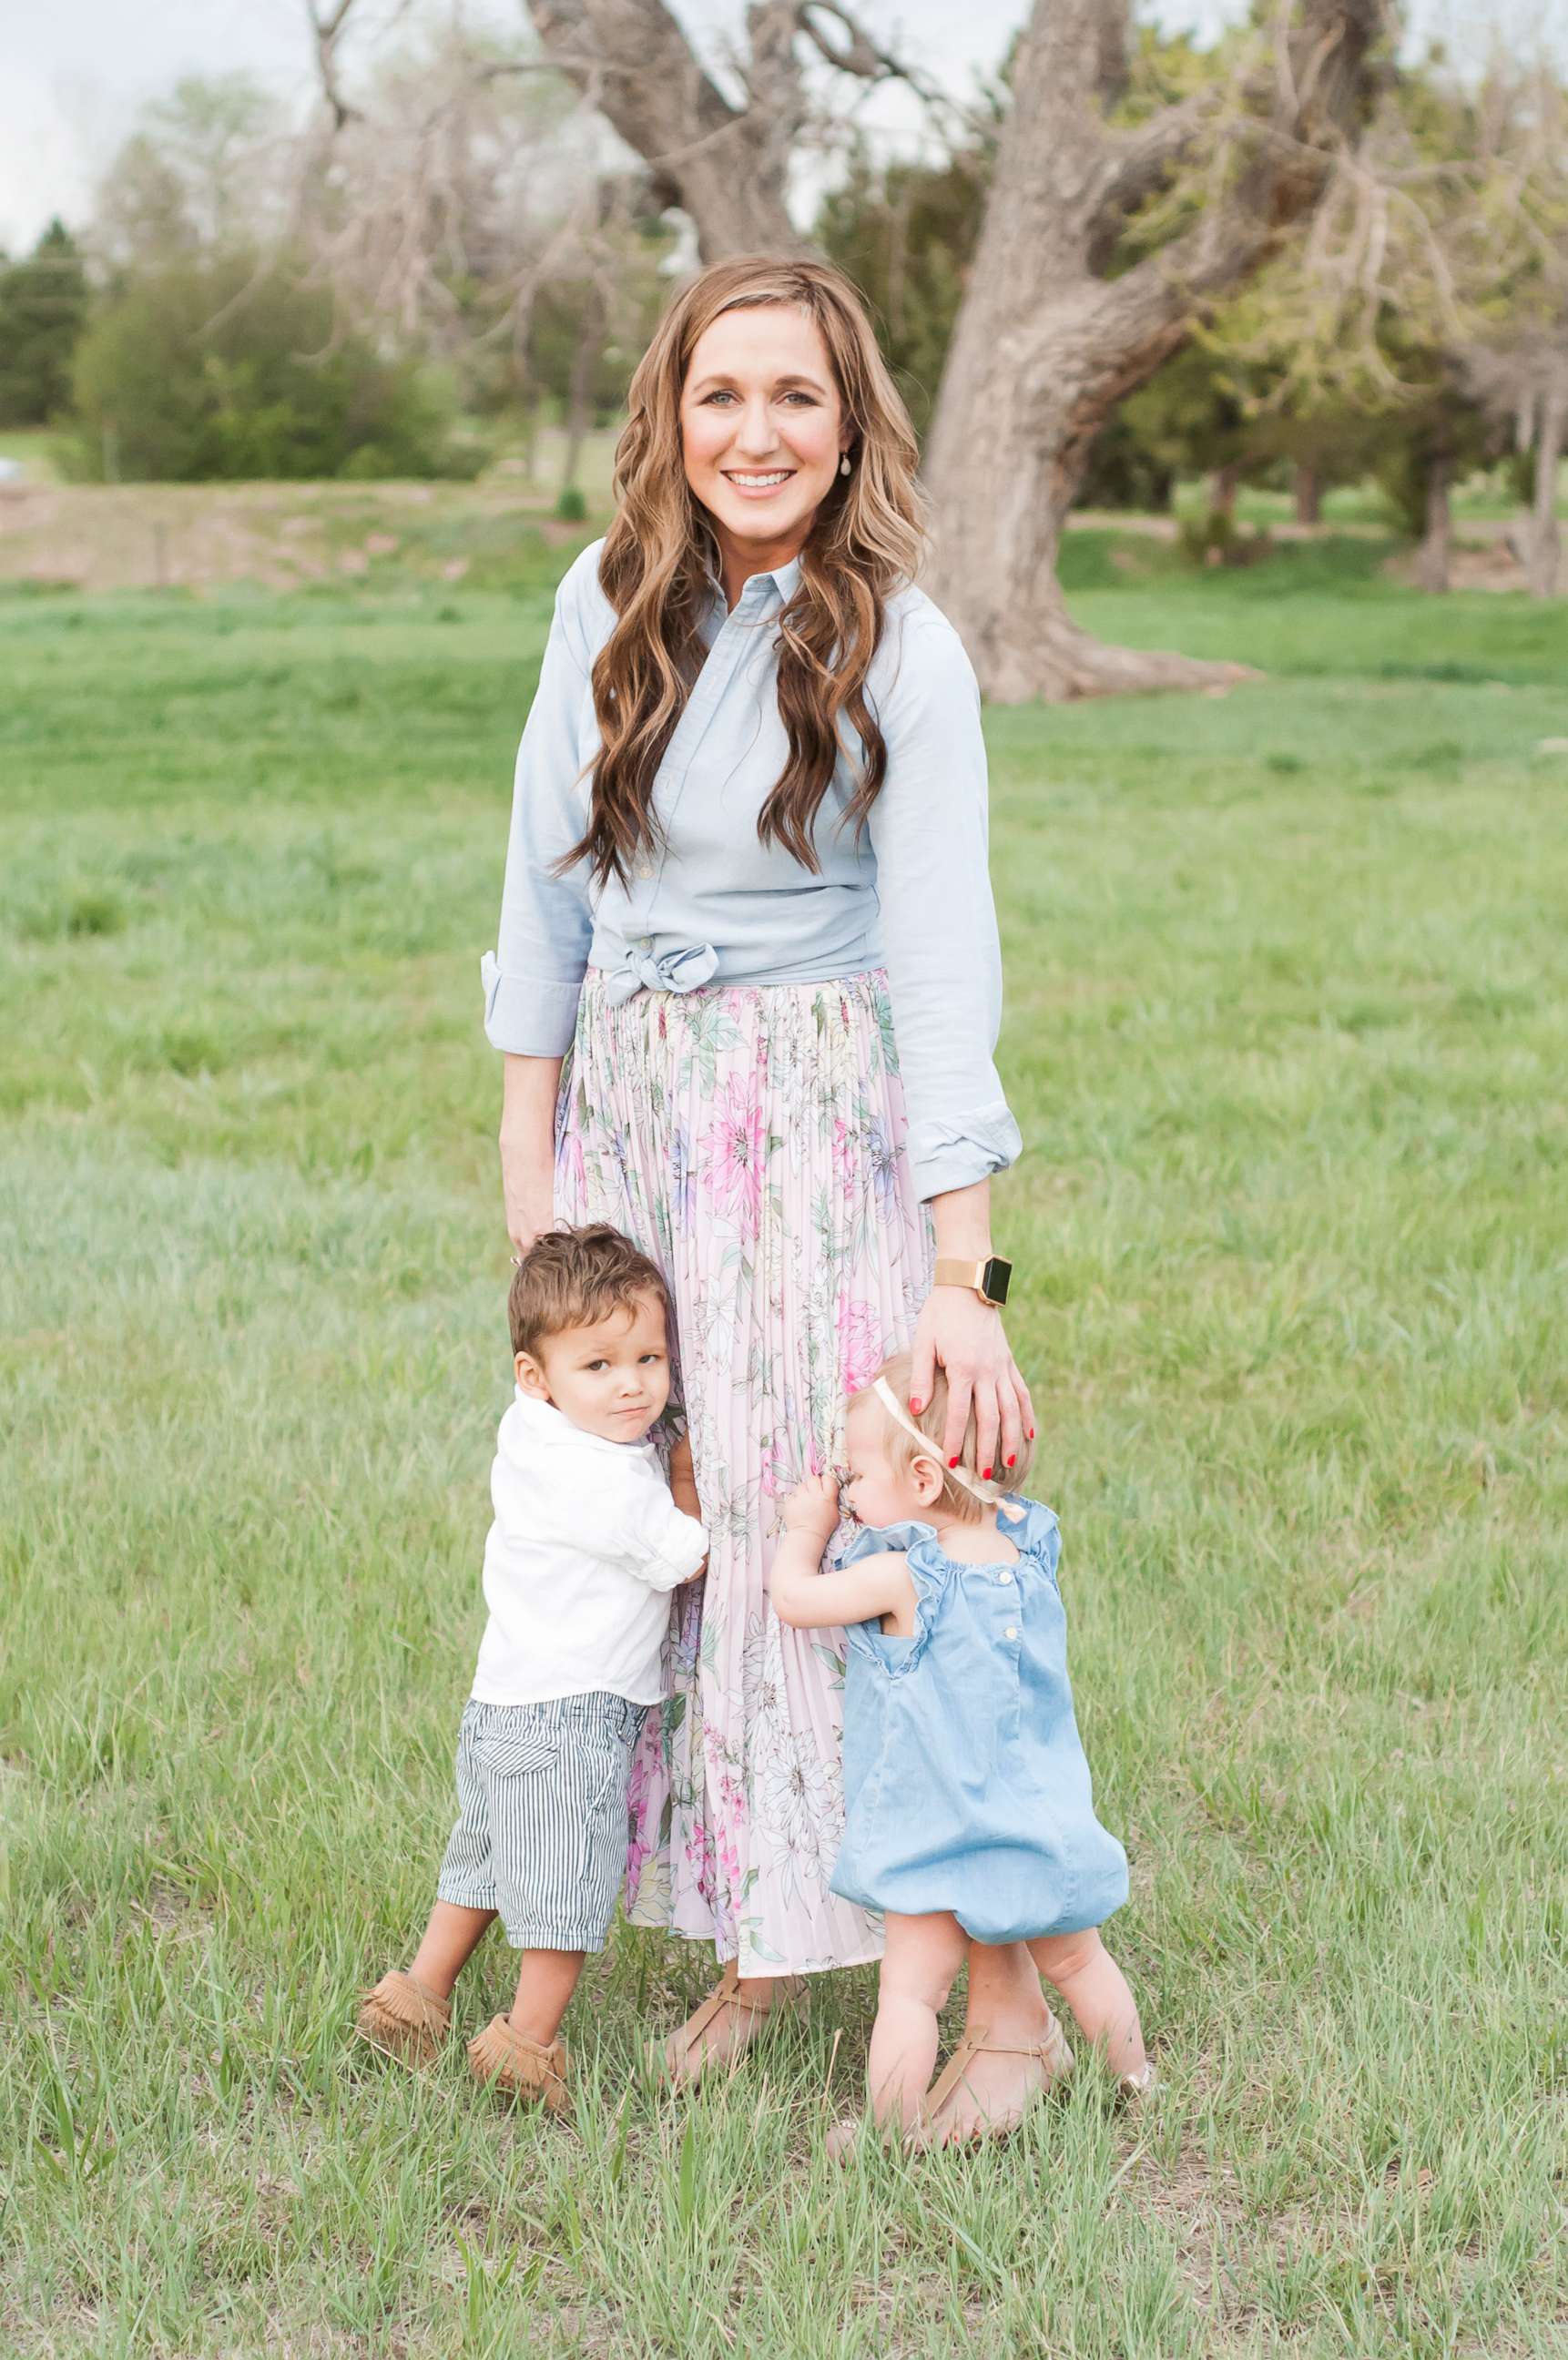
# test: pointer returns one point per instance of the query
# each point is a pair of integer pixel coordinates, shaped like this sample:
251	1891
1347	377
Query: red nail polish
985	1474
953	1462
1013	1459
914	1407
1031	1434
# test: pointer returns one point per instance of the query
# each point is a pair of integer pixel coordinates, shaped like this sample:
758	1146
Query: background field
1287	1032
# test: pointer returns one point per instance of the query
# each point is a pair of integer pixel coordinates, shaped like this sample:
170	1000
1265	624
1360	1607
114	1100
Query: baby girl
967	1803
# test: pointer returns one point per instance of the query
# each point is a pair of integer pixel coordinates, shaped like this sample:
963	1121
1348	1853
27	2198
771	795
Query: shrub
229	370
571	507
1212	539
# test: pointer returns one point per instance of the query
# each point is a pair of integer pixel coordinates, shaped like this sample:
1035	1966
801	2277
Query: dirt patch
281	536
1489	564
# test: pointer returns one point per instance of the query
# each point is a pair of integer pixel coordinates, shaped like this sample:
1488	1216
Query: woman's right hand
528	1192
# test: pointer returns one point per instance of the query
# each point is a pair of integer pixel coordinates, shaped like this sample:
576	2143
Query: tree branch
1141	161
326	27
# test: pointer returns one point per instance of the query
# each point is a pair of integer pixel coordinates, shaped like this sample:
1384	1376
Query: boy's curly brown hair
570	1278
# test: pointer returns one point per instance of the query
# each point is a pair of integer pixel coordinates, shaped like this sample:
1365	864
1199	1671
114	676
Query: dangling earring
844	464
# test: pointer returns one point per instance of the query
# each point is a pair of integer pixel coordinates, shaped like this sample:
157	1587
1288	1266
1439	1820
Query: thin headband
988	1492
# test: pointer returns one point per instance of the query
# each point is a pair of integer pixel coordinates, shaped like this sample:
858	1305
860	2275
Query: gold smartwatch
987	1278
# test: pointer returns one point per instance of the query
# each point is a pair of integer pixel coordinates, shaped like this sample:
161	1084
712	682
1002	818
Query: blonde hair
866	541
902	1451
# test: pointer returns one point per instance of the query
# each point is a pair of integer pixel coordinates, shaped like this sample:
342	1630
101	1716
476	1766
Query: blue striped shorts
541	1833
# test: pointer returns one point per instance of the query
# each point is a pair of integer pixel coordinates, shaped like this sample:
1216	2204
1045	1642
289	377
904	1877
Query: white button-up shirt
913	894
586	1545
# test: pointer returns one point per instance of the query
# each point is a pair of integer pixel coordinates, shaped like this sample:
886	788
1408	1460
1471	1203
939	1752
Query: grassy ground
1286	1034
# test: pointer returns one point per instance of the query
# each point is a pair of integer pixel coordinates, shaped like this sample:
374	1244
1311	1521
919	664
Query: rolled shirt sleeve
667	1547
533	978
930	833
631	1519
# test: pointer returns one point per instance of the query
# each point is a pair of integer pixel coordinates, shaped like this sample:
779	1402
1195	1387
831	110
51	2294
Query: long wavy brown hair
659	554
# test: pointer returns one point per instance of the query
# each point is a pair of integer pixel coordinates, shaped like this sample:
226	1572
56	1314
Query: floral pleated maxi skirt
751	1140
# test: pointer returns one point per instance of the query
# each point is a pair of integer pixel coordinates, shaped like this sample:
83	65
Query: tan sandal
523	2069
404	2018
726	1998
1052	2052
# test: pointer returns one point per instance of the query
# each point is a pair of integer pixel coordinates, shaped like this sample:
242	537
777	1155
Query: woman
747	902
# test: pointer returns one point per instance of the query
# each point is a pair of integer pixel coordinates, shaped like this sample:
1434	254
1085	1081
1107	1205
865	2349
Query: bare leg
545	1982
449	1942
923	1955
1095	1989
1005	2005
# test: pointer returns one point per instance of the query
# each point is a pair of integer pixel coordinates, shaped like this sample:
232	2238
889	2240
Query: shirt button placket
723	655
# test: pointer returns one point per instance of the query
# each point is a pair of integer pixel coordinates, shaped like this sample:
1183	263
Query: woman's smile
755	486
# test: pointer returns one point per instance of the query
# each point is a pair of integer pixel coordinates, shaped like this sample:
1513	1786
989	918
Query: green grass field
1287	1036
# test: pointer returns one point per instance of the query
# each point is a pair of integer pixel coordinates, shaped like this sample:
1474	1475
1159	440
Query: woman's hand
812	1508
964	1336
528	1192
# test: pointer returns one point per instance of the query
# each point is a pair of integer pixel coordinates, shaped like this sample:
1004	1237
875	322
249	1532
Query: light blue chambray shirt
913	895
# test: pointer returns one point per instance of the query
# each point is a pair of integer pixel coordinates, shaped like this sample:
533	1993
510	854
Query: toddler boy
588	1540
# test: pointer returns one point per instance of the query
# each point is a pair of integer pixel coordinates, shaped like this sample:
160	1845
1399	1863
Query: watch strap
949	1272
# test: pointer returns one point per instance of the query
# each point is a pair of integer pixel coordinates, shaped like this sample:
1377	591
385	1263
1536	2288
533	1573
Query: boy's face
876	1492
612	1378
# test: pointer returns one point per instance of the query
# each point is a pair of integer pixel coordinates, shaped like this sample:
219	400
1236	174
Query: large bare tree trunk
1309	494
1045	346
1545	536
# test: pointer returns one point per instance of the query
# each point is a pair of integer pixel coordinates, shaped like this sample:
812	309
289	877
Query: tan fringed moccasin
523	2069
404	2018
1052	2054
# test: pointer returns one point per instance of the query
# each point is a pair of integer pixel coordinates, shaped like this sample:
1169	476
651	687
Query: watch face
993	1279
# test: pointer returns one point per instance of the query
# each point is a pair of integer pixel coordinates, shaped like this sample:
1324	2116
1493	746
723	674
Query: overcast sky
74	72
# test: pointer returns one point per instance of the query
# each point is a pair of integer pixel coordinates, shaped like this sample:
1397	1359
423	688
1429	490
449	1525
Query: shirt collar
555	1429
784	578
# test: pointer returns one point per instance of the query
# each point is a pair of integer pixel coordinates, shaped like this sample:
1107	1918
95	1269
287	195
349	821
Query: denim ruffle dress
965	1784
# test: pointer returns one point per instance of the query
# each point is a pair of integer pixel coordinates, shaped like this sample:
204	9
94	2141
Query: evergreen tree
43	310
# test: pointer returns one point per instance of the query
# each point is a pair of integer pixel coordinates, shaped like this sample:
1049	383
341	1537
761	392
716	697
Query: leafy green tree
43	308
230	369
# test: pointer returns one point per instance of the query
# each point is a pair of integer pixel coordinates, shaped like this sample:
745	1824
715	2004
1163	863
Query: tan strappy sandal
523	2069
674	2057
1052	2052
404	2018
